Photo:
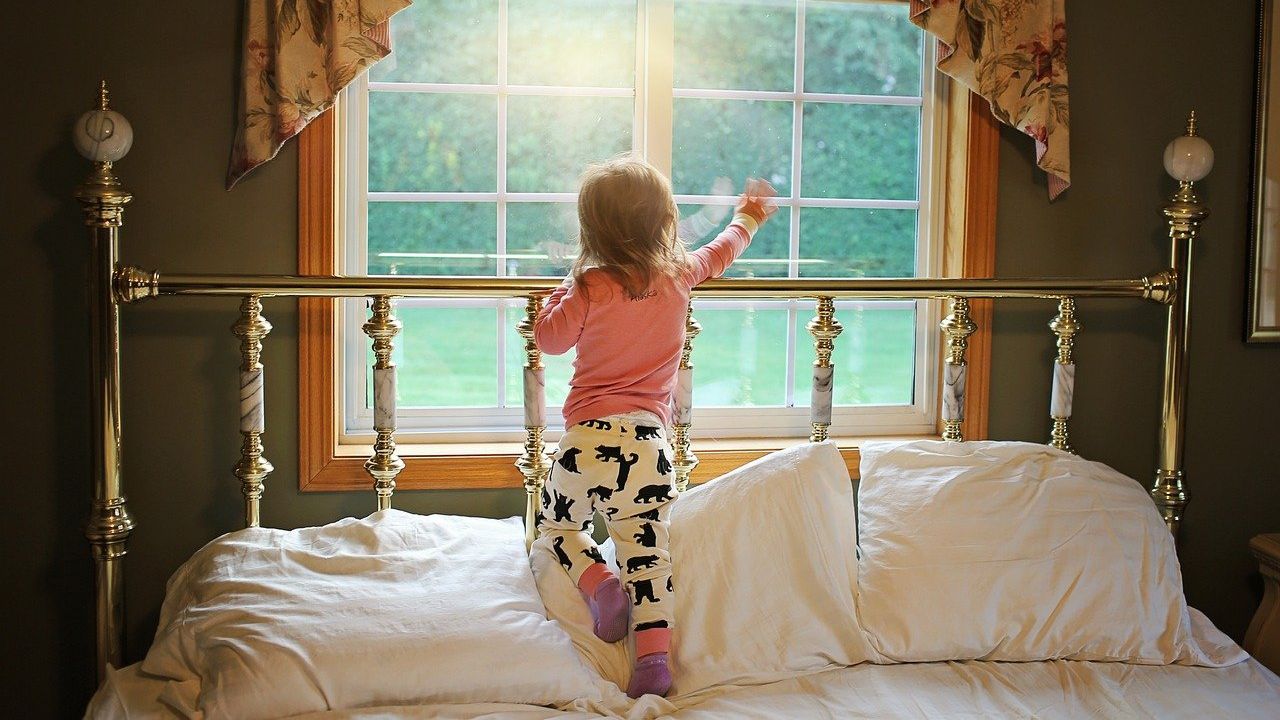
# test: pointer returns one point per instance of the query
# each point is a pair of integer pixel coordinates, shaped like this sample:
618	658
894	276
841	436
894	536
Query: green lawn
447	357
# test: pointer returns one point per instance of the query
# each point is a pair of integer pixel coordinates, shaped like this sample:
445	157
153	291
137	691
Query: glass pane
874	356
434	369
551	139
885	58
542	238
423	142
857	242
442	41
765	257
572	42
432	238
735	44
740	357
559	368
730	138
860	151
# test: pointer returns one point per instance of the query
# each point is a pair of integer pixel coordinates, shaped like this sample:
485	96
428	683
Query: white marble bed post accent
383	465
825	329
684	461
533	462
1065	326
957	326
252	468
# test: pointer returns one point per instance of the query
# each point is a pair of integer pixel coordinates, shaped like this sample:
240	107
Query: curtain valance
298	54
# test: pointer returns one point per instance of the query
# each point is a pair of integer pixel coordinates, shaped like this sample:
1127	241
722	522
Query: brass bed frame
114	285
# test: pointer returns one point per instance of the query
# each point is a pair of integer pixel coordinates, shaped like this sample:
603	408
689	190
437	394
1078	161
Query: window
459	154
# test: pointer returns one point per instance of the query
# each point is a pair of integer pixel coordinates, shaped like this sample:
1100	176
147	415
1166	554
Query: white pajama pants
619	466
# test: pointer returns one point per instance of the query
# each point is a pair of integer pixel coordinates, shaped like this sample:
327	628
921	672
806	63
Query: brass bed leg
1184	213
825	329
102	199
1065	326
533	463
684	461
252	468
384	465
957	326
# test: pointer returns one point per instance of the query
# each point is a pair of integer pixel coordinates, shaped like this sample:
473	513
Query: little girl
624	308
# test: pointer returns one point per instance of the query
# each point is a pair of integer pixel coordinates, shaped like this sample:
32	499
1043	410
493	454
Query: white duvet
1050	690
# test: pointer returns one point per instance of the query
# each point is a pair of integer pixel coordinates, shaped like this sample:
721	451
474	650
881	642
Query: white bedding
972	689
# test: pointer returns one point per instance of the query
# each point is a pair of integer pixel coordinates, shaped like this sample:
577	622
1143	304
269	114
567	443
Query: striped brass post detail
684	461
252	468
1065	326
825	329
533	463
957	326
384	465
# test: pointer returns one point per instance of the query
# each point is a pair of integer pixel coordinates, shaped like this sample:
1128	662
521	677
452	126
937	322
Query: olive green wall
172	67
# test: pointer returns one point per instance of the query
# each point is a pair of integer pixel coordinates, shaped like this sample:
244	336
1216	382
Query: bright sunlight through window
463	148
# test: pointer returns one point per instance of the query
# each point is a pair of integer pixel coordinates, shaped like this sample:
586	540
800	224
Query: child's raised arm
754	208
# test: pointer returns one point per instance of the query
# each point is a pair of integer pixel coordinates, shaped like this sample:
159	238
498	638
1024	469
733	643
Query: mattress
1052	689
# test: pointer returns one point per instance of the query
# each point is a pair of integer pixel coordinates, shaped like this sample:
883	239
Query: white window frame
652	136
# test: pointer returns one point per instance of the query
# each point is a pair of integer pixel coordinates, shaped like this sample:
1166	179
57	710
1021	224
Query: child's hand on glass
758	200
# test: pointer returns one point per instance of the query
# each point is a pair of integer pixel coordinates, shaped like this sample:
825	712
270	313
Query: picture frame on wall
1263	322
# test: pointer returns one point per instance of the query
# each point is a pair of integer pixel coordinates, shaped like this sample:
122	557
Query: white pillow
1016	551
764	575
392	609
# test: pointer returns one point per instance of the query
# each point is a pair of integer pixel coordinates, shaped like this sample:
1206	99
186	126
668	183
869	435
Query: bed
953	579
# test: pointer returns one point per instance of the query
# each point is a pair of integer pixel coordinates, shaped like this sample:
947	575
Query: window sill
474	466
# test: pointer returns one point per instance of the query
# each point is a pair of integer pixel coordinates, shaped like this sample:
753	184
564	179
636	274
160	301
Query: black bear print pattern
641	562
622	469
646	537
664	465
644	591
651	493
647	432
614	454
557	544
569	460
563	503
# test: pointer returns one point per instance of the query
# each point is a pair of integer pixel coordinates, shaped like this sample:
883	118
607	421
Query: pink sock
592	577
654	640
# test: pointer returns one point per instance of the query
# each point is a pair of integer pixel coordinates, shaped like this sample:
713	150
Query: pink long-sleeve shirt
628	350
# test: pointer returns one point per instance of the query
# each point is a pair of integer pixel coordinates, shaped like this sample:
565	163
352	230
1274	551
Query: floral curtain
1014	54
298	54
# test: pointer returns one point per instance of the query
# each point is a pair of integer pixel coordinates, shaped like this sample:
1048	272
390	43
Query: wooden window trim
323	468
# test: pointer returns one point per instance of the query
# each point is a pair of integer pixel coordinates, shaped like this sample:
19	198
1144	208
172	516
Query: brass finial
1191	124
103	96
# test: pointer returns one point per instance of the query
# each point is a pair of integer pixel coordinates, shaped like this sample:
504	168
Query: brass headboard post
253	466
1184	213
825	328
533	463
684	461
384	464
102	200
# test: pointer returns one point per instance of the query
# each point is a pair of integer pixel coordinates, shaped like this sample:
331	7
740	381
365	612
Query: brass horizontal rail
134	284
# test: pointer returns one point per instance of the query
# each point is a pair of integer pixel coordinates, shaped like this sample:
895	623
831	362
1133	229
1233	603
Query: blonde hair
627	222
